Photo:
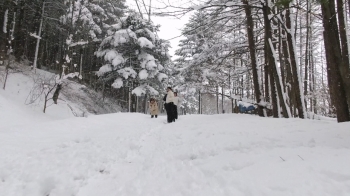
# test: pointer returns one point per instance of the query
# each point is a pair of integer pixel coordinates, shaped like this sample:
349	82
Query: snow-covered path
132	154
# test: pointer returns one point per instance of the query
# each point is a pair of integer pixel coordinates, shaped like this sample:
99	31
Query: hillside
75	99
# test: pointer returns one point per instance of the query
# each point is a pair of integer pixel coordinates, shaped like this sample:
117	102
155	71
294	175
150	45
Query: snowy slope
131	154
74	100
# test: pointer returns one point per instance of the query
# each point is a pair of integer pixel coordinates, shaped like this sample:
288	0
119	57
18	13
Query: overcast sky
170	28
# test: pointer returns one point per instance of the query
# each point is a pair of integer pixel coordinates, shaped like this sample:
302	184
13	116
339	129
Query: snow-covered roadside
132	154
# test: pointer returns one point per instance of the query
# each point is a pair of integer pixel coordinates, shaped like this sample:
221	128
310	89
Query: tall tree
252	49
334	60
275	81
133	54
345	66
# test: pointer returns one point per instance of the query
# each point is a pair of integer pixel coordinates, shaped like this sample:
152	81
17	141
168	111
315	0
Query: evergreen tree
133	55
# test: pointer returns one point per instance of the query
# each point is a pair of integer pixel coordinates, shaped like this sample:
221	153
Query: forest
288	58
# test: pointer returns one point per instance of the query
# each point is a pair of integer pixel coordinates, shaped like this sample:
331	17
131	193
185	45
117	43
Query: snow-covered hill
132	154
74	100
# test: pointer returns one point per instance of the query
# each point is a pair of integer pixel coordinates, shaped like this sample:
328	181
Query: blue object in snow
244	109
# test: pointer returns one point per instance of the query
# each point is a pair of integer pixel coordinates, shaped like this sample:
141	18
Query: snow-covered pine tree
187	73
193	62
209	55
82	21
107	12
134	56
88	23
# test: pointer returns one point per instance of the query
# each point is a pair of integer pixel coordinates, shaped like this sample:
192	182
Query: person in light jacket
153	108
169	105
176	103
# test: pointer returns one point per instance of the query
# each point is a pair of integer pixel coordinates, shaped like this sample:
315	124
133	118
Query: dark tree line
61	35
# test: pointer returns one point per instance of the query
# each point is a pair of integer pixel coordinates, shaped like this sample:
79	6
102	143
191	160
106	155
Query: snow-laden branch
35	35
81	43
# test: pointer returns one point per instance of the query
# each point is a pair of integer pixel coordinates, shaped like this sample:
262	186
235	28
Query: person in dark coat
169	105
176	103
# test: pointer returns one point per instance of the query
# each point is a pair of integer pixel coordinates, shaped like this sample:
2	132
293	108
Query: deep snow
132	154
125	154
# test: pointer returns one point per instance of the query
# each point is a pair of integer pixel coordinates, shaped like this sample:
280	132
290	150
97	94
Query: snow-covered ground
121	154
132	154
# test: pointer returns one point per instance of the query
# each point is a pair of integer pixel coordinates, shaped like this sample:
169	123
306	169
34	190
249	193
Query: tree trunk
222	99
145	104
217	99
306	72
314	71
56	94
6	73
334	60
10	29
293	62
266	80
38	38
21	33
46	98
274	77
199	103
252	50
344	67
103	90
